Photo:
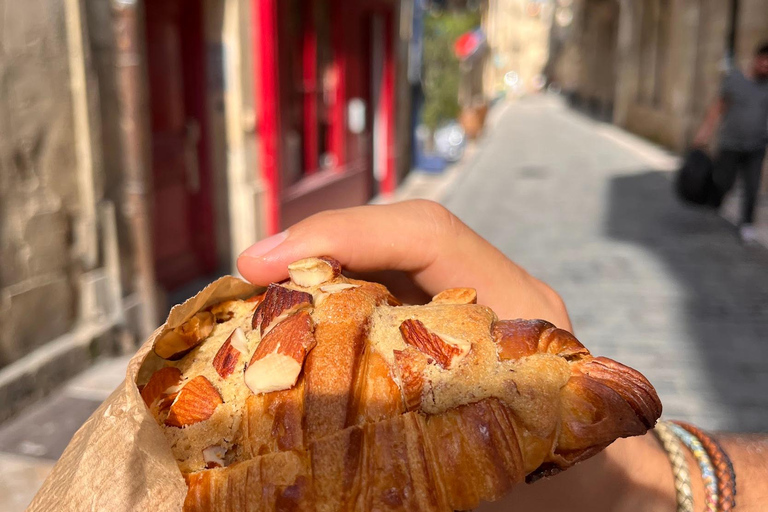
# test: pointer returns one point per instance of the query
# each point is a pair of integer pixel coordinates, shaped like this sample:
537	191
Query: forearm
631	474
639	472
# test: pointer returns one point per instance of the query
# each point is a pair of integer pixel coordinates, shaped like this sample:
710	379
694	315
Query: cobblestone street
659	286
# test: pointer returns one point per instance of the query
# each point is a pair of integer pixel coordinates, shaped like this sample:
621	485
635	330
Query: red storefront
325	90
319	118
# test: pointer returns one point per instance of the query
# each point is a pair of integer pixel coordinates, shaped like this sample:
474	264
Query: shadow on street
725	288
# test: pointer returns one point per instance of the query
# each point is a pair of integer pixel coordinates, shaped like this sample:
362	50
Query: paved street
661	287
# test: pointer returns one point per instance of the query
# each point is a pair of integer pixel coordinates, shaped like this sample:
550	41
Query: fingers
402	236
418	237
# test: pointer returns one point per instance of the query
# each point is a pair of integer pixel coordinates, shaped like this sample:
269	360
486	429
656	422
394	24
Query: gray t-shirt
745	124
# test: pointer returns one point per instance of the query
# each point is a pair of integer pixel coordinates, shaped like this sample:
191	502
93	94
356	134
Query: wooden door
184	244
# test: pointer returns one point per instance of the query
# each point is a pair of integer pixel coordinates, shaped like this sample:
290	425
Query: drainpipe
730	54
135	155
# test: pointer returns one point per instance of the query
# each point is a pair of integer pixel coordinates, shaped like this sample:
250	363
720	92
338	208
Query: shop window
328	83
309	84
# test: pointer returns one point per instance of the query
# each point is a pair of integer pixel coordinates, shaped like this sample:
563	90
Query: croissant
326	394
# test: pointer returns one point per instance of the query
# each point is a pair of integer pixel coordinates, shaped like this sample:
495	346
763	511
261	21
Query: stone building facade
654	66
59	272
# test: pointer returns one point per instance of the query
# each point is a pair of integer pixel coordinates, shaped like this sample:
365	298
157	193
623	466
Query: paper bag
119	460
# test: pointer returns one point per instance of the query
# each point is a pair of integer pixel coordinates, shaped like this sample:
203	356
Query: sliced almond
228	356
338	287
329	289
456	296
225	311
445	351
214	456
160	383
410	365
278	304
177	342
239	341
196	402
278	359
313	271
166	400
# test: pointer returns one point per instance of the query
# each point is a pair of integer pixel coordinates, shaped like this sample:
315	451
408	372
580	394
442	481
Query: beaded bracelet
676	455
726	477
705	464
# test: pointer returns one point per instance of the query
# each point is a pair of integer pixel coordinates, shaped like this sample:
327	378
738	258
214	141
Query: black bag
694	178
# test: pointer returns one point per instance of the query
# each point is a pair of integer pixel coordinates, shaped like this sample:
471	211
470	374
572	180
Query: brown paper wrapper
119	460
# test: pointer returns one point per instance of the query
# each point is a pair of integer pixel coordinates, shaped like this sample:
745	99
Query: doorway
184	241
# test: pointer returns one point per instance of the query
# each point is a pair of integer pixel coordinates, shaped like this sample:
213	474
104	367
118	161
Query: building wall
60	294
39	199
659	70
667	63
655	65
518	37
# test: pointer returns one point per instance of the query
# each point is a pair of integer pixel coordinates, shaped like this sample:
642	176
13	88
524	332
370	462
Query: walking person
741	112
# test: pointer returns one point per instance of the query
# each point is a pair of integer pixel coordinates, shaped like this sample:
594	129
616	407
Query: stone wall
667	62
38	184
61	303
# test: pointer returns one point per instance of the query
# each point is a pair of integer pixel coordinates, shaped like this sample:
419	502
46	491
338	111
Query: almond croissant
325	394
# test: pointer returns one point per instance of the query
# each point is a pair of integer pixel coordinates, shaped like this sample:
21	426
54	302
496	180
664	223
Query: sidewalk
31	443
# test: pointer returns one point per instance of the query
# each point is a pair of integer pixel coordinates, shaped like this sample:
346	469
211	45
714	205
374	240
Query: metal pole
129	77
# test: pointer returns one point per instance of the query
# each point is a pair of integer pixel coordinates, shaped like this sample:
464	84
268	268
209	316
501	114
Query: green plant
441	67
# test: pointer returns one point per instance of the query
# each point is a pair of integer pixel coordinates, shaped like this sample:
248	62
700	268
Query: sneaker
748	234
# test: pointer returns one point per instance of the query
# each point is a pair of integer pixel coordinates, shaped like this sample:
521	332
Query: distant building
145	143
654	66
518	33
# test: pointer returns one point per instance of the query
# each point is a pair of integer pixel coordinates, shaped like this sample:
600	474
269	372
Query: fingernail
262	247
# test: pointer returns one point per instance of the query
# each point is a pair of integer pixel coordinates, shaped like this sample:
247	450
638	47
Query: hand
701	140
433	248
419	238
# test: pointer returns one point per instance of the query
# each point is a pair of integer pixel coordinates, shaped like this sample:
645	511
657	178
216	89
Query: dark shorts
729	164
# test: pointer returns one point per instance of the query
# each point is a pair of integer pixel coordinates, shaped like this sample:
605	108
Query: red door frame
388	106
264	31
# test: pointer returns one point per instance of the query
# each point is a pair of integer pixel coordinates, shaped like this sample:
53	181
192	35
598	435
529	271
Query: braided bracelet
676	455
705	464
726	477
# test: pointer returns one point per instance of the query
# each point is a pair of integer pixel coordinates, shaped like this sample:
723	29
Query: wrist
645	475
749	455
